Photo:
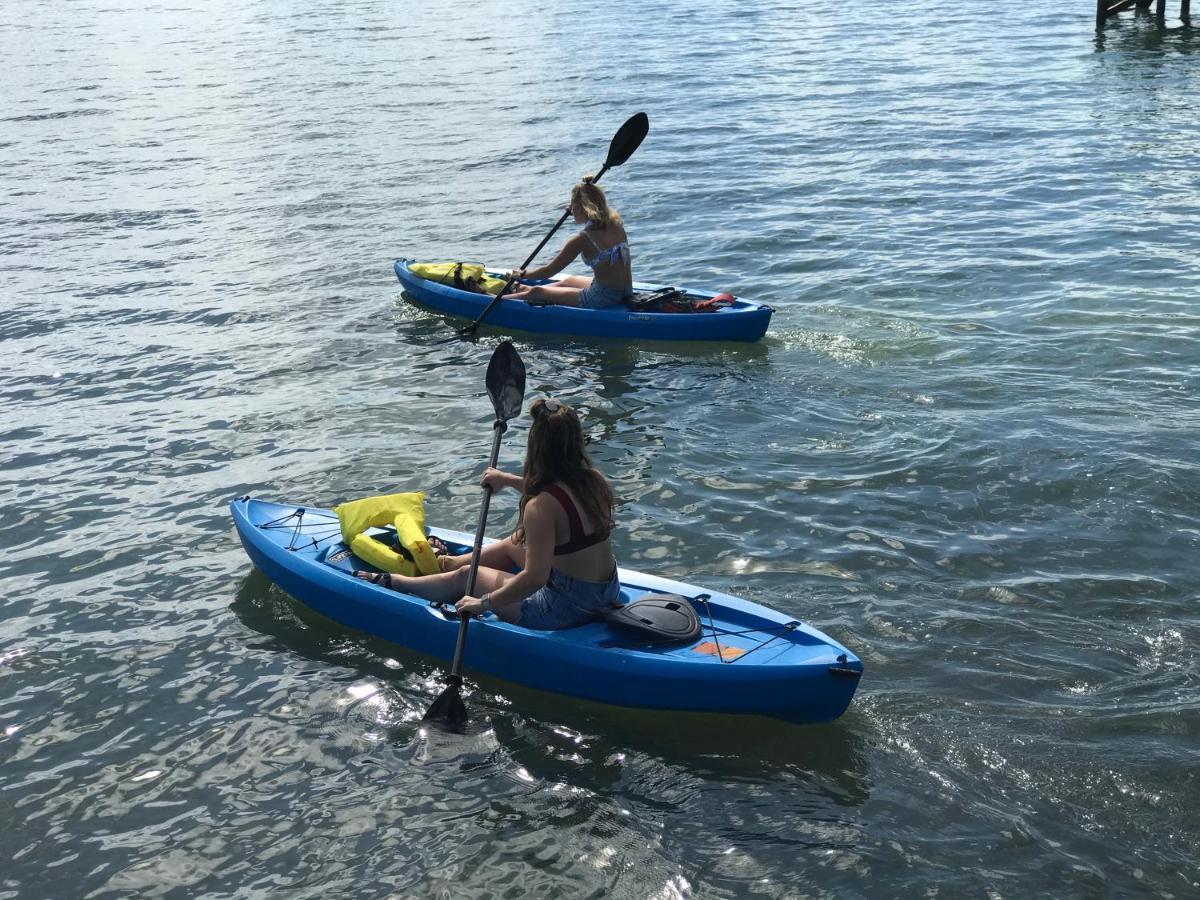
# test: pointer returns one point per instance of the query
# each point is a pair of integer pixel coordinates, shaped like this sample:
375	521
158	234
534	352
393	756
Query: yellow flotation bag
404	511
443	273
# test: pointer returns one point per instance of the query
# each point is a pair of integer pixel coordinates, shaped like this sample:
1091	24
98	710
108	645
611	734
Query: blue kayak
746	659
743	321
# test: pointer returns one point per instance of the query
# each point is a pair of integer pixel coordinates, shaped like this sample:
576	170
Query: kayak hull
744	321
747	659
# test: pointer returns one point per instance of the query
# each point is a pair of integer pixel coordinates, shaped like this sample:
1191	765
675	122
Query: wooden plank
1106	9
1118	7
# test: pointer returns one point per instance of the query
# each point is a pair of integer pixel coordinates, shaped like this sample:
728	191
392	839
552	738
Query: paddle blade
448	708
627	139
506	381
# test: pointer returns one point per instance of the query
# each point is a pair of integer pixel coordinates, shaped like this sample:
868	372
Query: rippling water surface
966	449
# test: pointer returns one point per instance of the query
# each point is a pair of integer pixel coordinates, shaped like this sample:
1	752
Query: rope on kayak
297	529
702	599
790	626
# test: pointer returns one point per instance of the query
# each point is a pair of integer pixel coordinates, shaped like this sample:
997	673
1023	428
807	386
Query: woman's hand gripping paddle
627	139
506	388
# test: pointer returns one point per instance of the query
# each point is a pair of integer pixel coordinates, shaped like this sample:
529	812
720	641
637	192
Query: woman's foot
383	579
446	561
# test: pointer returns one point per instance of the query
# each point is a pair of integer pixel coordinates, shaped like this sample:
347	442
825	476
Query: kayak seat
665	618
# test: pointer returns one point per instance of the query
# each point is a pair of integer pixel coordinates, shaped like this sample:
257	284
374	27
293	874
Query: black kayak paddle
506	388
627	139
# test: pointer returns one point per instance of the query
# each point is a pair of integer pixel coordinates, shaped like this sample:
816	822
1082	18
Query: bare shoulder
541	510
538	518
541	506
611	235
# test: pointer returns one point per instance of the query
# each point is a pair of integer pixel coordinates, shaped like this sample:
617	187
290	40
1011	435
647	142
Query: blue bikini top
617	253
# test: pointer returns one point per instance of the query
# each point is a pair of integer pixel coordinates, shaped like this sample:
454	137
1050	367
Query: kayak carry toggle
843	670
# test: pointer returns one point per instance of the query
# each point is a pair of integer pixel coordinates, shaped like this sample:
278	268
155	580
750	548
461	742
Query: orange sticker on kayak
708	648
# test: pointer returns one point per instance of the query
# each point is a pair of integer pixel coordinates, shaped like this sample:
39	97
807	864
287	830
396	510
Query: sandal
441	552
384	579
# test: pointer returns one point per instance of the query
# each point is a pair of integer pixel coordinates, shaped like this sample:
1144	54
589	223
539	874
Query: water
965	449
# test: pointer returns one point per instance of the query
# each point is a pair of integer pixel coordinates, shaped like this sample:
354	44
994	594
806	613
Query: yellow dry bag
458	275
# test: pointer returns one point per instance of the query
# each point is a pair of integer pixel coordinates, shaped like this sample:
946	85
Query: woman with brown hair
567	574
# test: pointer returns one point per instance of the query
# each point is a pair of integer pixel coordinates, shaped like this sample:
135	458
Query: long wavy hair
594	204
557	451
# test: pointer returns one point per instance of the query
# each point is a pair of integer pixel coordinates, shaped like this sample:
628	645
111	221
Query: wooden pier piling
1105	9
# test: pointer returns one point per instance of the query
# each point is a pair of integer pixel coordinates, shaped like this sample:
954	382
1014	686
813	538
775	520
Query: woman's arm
569	251
538	519
497	480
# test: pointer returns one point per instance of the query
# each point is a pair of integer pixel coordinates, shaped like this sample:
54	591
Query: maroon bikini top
578	540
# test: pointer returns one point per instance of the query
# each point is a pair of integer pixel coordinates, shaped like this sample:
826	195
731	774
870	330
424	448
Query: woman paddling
605	250
561	544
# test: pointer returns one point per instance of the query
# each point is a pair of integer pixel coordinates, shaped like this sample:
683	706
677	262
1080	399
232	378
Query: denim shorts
566	602
600	296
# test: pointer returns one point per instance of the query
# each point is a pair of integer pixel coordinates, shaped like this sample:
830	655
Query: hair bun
587	179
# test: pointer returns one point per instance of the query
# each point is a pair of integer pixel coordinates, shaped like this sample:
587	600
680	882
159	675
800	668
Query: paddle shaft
474	326
499	427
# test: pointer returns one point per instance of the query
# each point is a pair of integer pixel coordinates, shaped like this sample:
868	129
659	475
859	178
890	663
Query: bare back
606	253
592	563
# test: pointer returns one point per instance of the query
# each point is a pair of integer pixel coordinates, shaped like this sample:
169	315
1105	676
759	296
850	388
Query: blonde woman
604	248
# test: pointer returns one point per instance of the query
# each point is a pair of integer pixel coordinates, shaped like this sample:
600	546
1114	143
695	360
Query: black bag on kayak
655	301
673	300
